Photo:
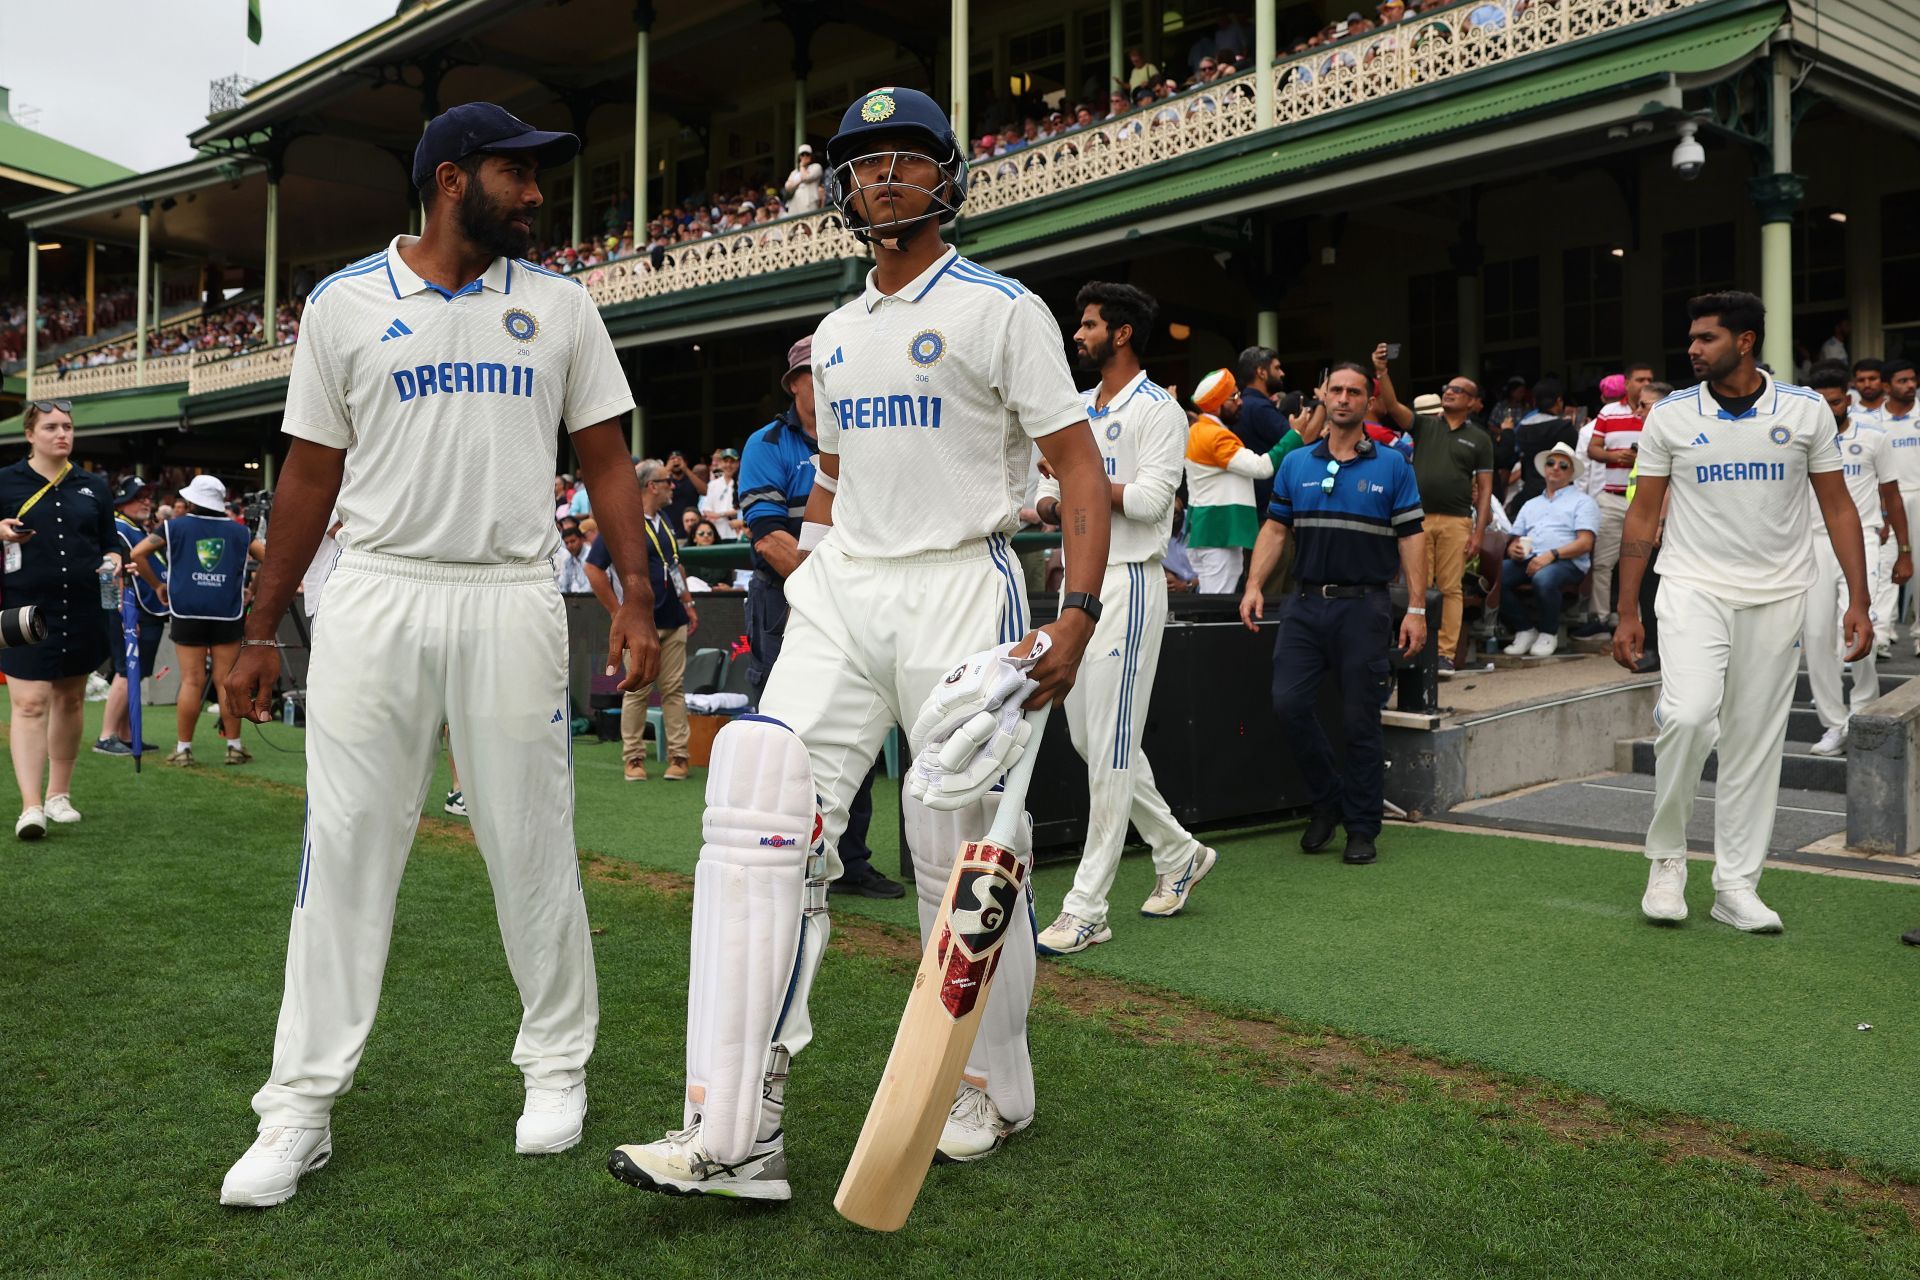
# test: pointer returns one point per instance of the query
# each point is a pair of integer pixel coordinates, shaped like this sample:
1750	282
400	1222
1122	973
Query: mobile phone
1393	351
1323	377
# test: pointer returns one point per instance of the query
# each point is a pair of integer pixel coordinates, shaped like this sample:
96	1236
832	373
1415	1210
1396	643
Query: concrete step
1803	725
1803	692
1798	769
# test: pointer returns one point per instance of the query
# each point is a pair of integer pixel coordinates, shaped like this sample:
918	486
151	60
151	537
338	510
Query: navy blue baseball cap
130	488
457	133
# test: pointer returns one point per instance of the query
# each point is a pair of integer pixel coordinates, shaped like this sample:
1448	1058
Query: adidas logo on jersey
1701	439
834	359
398	329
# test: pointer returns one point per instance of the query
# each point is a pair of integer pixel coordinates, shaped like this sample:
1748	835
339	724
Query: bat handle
1013	798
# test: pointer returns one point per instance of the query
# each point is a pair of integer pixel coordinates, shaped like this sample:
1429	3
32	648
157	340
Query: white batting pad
750	902
1000	1049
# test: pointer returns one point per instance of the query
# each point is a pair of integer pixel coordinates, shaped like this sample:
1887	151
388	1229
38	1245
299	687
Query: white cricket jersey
1142	434
1864	461
1737	522
932	397
1903	450
449	404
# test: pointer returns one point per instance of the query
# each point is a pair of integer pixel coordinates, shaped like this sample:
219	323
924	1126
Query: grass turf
140	956
1519	955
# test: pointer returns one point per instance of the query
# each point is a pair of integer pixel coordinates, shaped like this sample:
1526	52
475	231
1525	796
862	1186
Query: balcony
123	375
217	371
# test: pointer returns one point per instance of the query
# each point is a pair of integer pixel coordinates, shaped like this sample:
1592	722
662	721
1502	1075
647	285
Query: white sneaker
1666	895
1832	742
1544	646
975	1128
31	824
269	1173
1743	909
1883	651
1916	646
678	1165
1069	933
1522	641
1170	892
60	809
551	1121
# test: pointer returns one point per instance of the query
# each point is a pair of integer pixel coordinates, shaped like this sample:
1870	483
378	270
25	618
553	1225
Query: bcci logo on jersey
520	325
926	348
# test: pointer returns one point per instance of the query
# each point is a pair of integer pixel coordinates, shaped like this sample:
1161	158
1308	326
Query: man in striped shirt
1615	444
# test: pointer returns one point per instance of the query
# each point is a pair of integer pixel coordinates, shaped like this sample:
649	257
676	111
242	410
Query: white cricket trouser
1106	716
1726	679
1911	499
1825	641
866	642
1606	552
403	646
1886	596
1216	568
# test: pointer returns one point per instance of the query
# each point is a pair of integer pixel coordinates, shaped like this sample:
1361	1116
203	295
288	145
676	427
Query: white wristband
812	534
821	478
1418	613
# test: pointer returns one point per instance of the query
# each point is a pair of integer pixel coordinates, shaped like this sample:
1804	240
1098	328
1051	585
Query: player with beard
931	389
428	389
1142	432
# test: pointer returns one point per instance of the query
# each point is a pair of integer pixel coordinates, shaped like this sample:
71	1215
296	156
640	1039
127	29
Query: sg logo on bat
985	896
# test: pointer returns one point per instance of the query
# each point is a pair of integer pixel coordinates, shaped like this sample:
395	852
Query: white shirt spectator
716	502
803	187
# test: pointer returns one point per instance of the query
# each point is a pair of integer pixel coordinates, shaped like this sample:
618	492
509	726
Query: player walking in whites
1866	462
1736	454
1142	432
930	390
428	390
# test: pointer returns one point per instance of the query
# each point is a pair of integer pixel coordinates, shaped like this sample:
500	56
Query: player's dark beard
1093	357
490	226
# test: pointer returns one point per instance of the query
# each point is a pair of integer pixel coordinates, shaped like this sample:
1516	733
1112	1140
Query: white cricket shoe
975	1128
60	809
678	1165
269	1173
1544	646
551	1121
1069	933
1170	892
1916	646
1743	909
1522	641
1666	895
1832	742
31	824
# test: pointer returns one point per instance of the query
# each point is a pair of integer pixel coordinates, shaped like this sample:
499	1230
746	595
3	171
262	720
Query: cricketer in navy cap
461	131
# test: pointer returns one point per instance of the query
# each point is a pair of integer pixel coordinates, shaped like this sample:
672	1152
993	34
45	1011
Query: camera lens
21	626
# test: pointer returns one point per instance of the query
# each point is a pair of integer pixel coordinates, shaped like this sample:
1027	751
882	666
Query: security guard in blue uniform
1355	512
776	477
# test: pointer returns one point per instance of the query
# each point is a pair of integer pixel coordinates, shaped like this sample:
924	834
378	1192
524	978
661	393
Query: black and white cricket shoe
678	1165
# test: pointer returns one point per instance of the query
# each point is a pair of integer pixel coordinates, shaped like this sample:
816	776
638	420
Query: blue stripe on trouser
1130	655
306	855
1012	621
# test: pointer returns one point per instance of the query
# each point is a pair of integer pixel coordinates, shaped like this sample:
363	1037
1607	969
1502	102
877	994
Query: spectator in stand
1222	521
689	486
719	503
1263	420
1453	462
1118	104
1544	425
1835	347
1513	407
704	534
1140	73
580	505
1551	548
571	575
1616	443
776	479
674	617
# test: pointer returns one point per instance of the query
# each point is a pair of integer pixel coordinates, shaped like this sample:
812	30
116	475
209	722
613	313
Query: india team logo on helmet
876	107
520	324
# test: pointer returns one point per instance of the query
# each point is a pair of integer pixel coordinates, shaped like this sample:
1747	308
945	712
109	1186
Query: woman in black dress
56	524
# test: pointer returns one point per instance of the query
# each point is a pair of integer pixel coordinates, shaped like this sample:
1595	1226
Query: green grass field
1470	1059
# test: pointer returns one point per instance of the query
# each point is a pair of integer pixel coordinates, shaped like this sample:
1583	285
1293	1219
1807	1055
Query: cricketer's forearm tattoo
1080	522
1638	550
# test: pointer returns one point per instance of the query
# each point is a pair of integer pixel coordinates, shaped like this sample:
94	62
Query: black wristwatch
1084	601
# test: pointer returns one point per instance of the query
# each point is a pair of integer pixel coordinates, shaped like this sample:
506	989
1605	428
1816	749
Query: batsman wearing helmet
930	390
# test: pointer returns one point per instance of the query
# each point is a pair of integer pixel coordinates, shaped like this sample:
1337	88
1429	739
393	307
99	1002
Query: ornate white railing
222	371
1422	50
122	375
795	241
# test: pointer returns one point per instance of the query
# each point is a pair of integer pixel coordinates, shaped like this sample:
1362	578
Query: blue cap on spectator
130	488
455	134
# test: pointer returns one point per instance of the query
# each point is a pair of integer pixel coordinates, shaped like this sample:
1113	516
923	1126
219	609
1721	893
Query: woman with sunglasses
56	524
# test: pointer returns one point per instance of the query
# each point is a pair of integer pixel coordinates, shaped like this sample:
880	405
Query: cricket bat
988	886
